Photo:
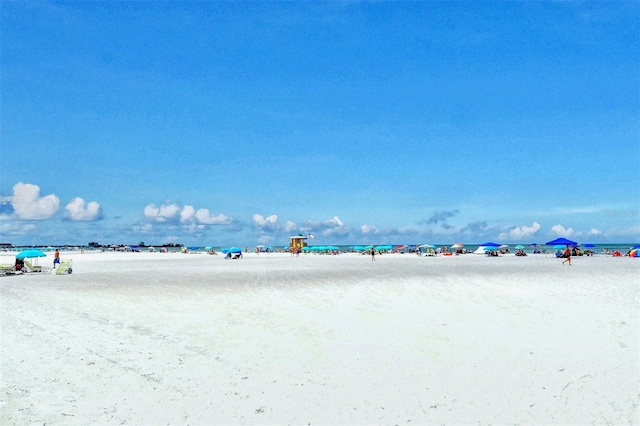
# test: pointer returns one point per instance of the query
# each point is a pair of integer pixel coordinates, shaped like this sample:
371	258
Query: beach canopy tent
562	241
559	247
489	244
30	254
489	248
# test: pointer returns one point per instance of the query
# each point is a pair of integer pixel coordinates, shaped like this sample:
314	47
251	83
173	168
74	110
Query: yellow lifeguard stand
297	243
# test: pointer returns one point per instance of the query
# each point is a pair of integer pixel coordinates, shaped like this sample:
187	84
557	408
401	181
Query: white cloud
165	213
29	205
329	227
290	226
366	229
16	228
594	232
518	233
262	222
144	228
188	215
206	218
77	211
561	231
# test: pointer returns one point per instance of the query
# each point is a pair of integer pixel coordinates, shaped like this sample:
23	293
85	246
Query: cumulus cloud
165	213
441	216
172	213
290	226
329	227
77	211
205	217
369	230
594	232
268	223
518	233
561	231
29	205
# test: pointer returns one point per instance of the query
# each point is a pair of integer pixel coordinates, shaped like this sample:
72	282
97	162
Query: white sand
152	338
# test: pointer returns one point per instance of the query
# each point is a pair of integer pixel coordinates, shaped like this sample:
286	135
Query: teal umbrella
31	253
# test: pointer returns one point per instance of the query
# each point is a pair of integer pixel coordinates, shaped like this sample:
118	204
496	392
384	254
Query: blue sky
219	123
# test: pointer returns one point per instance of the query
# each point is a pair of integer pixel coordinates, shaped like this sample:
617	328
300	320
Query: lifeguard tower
297	243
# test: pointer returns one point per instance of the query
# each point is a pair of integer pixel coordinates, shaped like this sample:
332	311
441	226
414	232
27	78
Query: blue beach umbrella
235	250
31	253
562	241
489	244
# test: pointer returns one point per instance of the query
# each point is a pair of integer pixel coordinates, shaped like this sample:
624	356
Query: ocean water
598	249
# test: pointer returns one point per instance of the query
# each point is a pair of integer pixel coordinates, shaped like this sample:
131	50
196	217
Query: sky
243	123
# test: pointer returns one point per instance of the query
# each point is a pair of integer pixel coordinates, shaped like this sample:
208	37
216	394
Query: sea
405	248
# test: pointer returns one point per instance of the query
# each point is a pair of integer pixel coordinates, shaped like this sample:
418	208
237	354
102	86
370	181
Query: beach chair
64	267
36	268
6	269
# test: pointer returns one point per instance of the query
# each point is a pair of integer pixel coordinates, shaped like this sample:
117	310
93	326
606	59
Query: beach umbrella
634	253
489	244
457	245
562	241
504	246
426	246
636	246
235	250
29	254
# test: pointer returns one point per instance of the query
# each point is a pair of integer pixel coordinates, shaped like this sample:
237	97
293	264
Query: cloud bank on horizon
215	123
28	211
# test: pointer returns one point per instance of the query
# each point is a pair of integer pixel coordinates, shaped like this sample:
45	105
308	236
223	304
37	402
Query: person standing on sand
567	254
373	254
56	258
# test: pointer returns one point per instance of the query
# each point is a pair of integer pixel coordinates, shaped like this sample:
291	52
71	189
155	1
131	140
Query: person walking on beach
56	258
373	254
567	254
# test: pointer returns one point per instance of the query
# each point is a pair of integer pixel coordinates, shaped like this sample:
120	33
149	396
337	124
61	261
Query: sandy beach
155	338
